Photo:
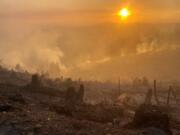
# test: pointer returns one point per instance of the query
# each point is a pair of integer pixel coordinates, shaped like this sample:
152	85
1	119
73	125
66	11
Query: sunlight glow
124	13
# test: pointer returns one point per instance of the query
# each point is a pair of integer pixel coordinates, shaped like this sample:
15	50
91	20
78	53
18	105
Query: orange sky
84	12
101	46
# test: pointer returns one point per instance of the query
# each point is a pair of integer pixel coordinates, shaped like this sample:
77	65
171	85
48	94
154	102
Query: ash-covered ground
29	106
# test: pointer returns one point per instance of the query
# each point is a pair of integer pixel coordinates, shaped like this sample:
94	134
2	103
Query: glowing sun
124	13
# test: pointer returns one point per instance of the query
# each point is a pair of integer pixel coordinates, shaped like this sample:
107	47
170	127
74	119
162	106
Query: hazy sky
94	10
86	38
83	4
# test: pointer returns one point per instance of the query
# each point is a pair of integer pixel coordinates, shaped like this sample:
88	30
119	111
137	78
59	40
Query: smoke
33	48
102	51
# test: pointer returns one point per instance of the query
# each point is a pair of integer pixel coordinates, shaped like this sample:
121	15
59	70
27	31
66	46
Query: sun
124	13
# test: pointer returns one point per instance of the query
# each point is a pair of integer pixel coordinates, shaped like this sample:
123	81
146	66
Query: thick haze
91	11
87	39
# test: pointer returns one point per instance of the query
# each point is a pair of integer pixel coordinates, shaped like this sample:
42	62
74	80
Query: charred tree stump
152	116
35	81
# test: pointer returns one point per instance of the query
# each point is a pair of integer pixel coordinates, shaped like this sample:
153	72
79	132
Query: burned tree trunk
152	116
155	92
35	81
169	94
80	94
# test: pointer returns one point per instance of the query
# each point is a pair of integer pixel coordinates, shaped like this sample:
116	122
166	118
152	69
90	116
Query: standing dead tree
150	94
171	91
149	115
155	93
74	97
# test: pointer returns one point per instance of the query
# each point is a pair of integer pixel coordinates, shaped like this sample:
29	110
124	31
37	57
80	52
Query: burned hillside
40	106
